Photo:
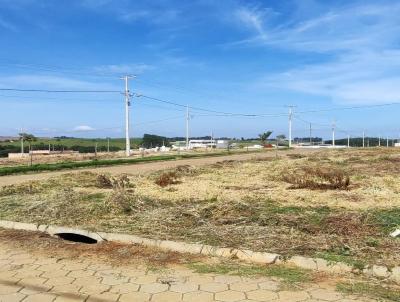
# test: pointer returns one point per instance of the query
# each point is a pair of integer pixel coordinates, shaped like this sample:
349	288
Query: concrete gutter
315	264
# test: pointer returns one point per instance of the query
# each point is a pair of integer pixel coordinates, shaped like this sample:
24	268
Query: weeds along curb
316	264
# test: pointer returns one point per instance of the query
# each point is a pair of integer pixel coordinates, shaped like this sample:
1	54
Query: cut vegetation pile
338	205
167	178
317	178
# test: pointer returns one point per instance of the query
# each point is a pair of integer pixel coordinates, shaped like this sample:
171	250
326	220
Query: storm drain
73	237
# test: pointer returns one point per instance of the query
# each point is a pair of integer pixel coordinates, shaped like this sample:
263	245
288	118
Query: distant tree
151	141
281	137
26	137
264	136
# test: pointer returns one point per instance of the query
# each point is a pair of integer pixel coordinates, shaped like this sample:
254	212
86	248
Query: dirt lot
144	167
336	204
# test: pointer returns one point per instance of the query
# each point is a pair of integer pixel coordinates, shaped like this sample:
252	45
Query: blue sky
231	56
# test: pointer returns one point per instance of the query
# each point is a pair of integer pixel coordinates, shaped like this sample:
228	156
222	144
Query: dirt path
146	167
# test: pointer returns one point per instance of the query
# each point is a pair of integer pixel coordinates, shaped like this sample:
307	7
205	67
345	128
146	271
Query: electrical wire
61	70
350	107
221	113
60	91
308	122
41	98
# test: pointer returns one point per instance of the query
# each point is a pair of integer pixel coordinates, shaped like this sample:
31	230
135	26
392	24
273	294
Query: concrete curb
316	264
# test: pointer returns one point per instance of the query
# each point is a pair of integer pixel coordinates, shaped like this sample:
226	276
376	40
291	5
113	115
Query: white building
208	143
201	144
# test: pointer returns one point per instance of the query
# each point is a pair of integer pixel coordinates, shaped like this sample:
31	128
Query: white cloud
349	28
360	44
252	18
83	128
368	77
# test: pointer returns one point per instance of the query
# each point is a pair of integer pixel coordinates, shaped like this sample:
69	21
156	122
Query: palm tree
264	136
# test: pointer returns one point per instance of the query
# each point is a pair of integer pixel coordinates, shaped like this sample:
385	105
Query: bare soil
111	252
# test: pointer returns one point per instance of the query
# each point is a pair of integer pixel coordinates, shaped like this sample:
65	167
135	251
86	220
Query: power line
61	70
349	108
222	113
101	129
199	108
309	122
59	91
41	98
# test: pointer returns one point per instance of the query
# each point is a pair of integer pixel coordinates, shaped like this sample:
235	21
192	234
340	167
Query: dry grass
318	178
242	204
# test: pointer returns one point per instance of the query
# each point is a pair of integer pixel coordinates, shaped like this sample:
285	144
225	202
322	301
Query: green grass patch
95	197
287	274
387	219
333	258
376	291
273	213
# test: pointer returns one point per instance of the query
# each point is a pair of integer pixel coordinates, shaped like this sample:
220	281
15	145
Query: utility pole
379	141
310	134
108	145
187	127
363	139
348	141
127	120
333	133
387	141
290	125
22	141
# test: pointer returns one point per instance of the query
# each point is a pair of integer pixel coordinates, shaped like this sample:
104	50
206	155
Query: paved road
145	167
28	278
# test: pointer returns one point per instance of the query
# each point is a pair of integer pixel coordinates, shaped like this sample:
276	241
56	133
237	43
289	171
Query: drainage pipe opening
76	238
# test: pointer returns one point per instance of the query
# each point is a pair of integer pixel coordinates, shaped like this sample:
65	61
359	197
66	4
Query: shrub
316	178
186	170
167	178
121	183
122	196
122	200
104	181
108	182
